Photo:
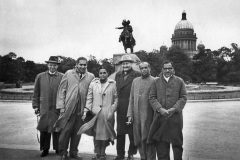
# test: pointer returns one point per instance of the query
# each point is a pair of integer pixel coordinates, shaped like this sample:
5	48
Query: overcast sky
37	29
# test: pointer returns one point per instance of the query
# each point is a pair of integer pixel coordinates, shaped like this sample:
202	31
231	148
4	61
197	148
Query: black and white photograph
119	80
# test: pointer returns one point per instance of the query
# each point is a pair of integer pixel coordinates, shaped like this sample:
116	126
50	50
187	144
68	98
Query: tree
223	66
30	71
20	62
142	55
154	58
204	68
235	56
233	74
12	55
66	64
9	69
93	65
1	69
228	64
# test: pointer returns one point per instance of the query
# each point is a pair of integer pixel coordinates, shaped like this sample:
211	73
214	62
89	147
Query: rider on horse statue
127	31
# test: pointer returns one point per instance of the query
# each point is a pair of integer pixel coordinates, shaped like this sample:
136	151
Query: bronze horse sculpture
128	42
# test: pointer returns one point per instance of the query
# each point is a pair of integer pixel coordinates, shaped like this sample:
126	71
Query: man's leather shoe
96	157
118	158
75	156
57	151
64	157
130	157
44	153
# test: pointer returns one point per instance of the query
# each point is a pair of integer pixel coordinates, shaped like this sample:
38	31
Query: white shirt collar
166	78
83	74
52	73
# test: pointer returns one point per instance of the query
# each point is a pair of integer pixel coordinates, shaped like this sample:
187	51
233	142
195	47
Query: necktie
125	76
80	75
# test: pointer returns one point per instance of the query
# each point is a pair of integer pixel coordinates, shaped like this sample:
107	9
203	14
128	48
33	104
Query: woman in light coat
102	100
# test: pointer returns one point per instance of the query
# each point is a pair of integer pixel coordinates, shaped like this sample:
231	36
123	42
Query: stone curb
12	100
213	100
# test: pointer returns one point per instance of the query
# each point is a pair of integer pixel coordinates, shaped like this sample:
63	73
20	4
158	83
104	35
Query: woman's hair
103	67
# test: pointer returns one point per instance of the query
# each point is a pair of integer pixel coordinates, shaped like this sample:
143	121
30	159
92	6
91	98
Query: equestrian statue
126	36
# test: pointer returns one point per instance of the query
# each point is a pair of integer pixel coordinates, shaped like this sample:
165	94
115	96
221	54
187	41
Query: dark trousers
147	151
132	149
163	151
69	134
45	140
100	147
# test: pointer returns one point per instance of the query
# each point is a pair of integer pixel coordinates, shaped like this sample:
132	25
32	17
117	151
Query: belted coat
103	102
123	92
171	94
71	95
44	98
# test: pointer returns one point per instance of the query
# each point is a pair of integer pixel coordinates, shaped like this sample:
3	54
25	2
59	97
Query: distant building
184	36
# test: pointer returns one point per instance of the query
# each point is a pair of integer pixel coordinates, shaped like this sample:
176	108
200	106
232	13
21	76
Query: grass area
11	88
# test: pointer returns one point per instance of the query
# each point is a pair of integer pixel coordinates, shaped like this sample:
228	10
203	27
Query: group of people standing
148	110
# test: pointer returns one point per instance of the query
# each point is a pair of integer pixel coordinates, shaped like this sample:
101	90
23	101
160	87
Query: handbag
89	116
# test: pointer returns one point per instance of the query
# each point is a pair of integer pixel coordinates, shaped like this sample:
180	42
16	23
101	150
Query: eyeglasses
82	64
102	72
170	68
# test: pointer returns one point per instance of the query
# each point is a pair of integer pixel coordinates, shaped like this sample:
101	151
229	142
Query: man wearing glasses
167	97
71	101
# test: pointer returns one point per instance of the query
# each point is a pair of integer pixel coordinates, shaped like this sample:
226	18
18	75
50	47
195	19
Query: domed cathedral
184	36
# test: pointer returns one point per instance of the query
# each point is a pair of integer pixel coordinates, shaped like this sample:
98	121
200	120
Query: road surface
211	130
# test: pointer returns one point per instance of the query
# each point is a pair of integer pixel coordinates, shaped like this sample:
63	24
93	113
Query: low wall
213	95
19	96
192	95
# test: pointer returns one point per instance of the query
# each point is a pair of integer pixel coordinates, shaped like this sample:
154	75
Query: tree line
15	69
222	65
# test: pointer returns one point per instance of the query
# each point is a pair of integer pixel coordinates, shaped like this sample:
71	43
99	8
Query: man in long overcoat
140	113
168	97
124	80
71	101
44	103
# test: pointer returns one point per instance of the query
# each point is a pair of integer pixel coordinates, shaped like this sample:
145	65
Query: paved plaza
211	131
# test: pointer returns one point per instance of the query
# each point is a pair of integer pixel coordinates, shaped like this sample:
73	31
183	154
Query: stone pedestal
118	67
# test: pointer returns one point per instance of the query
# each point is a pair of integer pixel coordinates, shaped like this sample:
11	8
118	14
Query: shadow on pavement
20	154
